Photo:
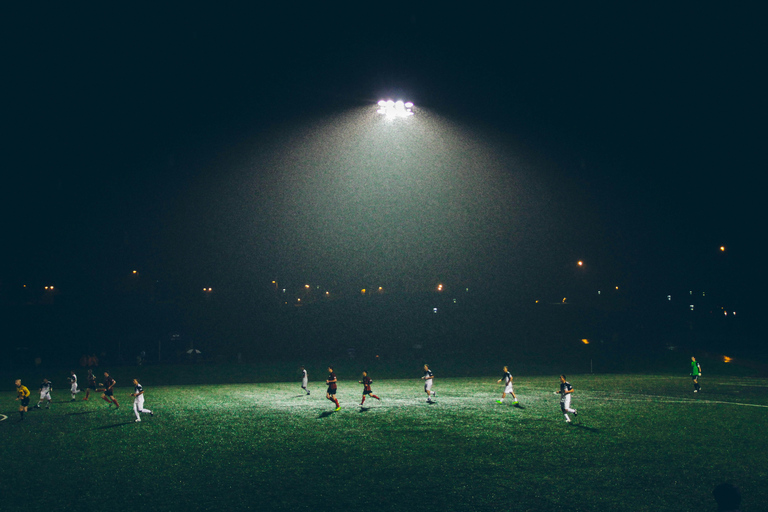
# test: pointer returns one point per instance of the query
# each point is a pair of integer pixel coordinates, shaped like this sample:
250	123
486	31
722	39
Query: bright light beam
392	109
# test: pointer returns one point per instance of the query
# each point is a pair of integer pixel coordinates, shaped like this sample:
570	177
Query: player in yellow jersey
23	395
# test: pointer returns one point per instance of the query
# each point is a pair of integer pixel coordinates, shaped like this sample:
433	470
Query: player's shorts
428	385
45	395
92	385
509	389
331	391
367	391
304	383
694	377
108	392
25	401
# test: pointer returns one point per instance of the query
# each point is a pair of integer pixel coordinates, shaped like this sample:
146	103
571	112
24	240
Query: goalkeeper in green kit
695	374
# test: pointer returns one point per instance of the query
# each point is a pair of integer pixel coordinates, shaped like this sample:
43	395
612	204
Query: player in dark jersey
695	374
331	392
566	390
138	400
108	393
427	378
22	393
45	393
508	388
366	382
91	384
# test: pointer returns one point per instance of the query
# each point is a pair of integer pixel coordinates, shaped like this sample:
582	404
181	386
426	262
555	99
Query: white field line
667	400
3	417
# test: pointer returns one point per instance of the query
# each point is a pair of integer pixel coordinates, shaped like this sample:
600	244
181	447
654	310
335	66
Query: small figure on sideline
304	379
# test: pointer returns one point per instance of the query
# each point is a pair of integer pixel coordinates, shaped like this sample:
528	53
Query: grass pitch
639	443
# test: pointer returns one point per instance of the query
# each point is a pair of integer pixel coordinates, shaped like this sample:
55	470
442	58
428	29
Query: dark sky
211	144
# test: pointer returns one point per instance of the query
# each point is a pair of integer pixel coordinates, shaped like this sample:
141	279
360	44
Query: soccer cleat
307	392
695	390
499	402
515	402
37	406
567	421
338	408
137	420
575	413
151	413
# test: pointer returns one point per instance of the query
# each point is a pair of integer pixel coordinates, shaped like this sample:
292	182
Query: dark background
179	142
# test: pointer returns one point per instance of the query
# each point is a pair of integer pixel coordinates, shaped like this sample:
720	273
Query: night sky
229	147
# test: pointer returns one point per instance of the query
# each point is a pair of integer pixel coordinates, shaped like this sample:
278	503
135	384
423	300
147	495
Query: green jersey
695	368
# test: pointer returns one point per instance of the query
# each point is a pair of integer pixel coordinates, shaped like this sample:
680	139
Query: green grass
641	442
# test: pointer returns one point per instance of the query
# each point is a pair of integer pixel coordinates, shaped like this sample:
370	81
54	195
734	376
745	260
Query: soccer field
640	442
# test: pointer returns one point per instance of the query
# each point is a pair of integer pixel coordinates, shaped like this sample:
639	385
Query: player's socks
361	403
377	398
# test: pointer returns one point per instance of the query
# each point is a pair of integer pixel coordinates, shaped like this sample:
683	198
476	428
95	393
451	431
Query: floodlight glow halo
392	109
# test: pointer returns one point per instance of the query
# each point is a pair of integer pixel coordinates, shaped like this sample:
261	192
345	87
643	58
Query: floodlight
392	109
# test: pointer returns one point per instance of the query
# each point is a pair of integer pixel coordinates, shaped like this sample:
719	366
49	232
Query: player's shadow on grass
584	427
325	414
114	426
518	406
364	409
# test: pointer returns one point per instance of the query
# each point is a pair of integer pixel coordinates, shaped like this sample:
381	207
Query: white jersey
428	379
73	382
507	378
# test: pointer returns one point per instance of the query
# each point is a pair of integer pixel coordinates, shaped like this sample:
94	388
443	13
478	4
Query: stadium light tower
392	109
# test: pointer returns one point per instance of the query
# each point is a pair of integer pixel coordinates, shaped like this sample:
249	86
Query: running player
695	374
366	382
91	384
507	378
45	393
304	379
108	393
331	392
22	394
427	378
566	390
73	385
138	400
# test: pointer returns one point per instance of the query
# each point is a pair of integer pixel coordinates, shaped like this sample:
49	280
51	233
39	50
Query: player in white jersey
508	389
566	390
73	384
45	393
427	378
138	400
304	379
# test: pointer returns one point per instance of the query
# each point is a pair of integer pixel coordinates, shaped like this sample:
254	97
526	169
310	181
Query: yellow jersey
22	391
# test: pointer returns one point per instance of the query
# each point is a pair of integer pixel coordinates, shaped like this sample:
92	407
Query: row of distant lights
392	109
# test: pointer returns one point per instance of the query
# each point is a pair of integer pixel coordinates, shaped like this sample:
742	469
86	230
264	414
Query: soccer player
695	374
566	390
22	394
45	393
427	378
331	392
91	384
73	384
507	378
138	400
108	393
366	382
304	379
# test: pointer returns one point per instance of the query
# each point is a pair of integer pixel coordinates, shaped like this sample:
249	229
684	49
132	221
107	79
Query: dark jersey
109	382
91	379
427	374
367	383
565	386
332	377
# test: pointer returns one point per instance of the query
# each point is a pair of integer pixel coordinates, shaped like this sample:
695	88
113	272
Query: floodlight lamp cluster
392	109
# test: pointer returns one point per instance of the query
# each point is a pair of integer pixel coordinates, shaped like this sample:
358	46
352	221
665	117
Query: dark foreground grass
640	443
